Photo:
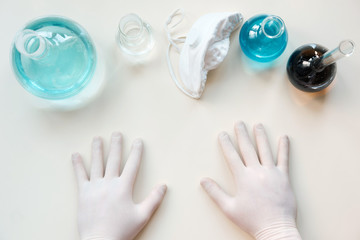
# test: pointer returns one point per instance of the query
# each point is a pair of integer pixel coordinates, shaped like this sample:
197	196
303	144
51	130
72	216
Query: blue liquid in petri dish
67	65
263	41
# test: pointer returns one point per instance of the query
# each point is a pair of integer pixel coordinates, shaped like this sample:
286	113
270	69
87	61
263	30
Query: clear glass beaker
134	35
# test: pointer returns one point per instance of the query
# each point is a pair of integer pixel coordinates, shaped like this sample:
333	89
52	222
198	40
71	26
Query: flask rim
24	38
277	20
131	18
347	47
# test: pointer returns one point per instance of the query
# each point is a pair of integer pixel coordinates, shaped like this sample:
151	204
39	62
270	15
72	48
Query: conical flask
55	60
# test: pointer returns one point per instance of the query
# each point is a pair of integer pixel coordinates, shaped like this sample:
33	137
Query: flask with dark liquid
311	67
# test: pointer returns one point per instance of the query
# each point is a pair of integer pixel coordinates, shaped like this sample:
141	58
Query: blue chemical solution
263	38
56	60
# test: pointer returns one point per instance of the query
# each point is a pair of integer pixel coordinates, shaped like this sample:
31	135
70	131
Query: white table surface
37	186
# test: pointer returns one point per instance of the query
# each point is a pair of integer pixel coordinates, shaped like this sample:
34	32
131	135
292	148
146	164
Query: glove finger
113	165
97	159
133	163
79	169
263	145
283	153
247	149
231	155
153	201
216	193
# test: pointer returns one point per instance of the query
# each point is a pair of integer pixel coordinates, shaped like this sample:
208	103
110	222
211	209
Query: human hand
264	204
106	208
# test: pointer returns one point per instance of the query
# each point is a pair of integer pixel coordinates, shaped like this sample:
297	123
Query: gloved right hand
264	204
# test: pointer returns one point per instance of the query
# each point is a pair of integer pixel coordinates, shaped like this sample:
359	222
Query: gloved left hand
264	204
106	208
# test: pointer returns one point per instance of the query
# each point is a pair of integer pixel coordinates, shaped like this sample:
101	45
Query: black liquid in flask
312	68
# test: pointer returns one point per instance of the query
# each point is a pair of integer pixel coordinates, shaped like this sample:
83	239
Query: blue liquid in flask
263	38
53	58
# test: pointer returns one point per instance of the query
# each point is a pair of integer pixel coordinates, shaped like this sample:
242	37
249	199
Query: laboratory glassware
55	59
134	36
263	38
312	68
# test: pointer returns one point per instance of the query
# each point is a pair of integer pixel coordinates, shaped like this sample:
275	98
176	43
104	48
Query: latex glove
106	208
264	205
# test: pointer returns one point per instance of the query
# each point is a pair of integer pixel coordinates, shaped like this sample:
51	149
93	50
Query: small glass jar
134	36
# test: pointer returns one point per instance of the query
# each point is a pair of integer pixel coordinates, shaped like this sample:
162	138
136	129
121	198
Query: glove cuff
280	230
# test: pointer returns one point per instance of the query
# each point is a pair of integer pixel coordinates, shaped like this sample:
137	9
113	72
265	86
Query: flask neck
131	30
345	49
29	43
272	27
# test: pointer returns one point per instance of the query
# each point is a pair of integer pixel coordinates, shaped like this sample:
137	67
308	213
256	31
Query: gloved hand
106	208
264	205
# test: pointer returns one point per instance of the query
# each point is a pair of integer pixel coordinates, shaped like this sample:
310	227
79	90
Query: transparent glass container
134	36
263	38
55	60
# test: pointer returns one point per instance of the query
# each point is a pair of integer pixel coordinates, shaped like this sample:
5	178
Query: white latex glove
106	208
264	205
